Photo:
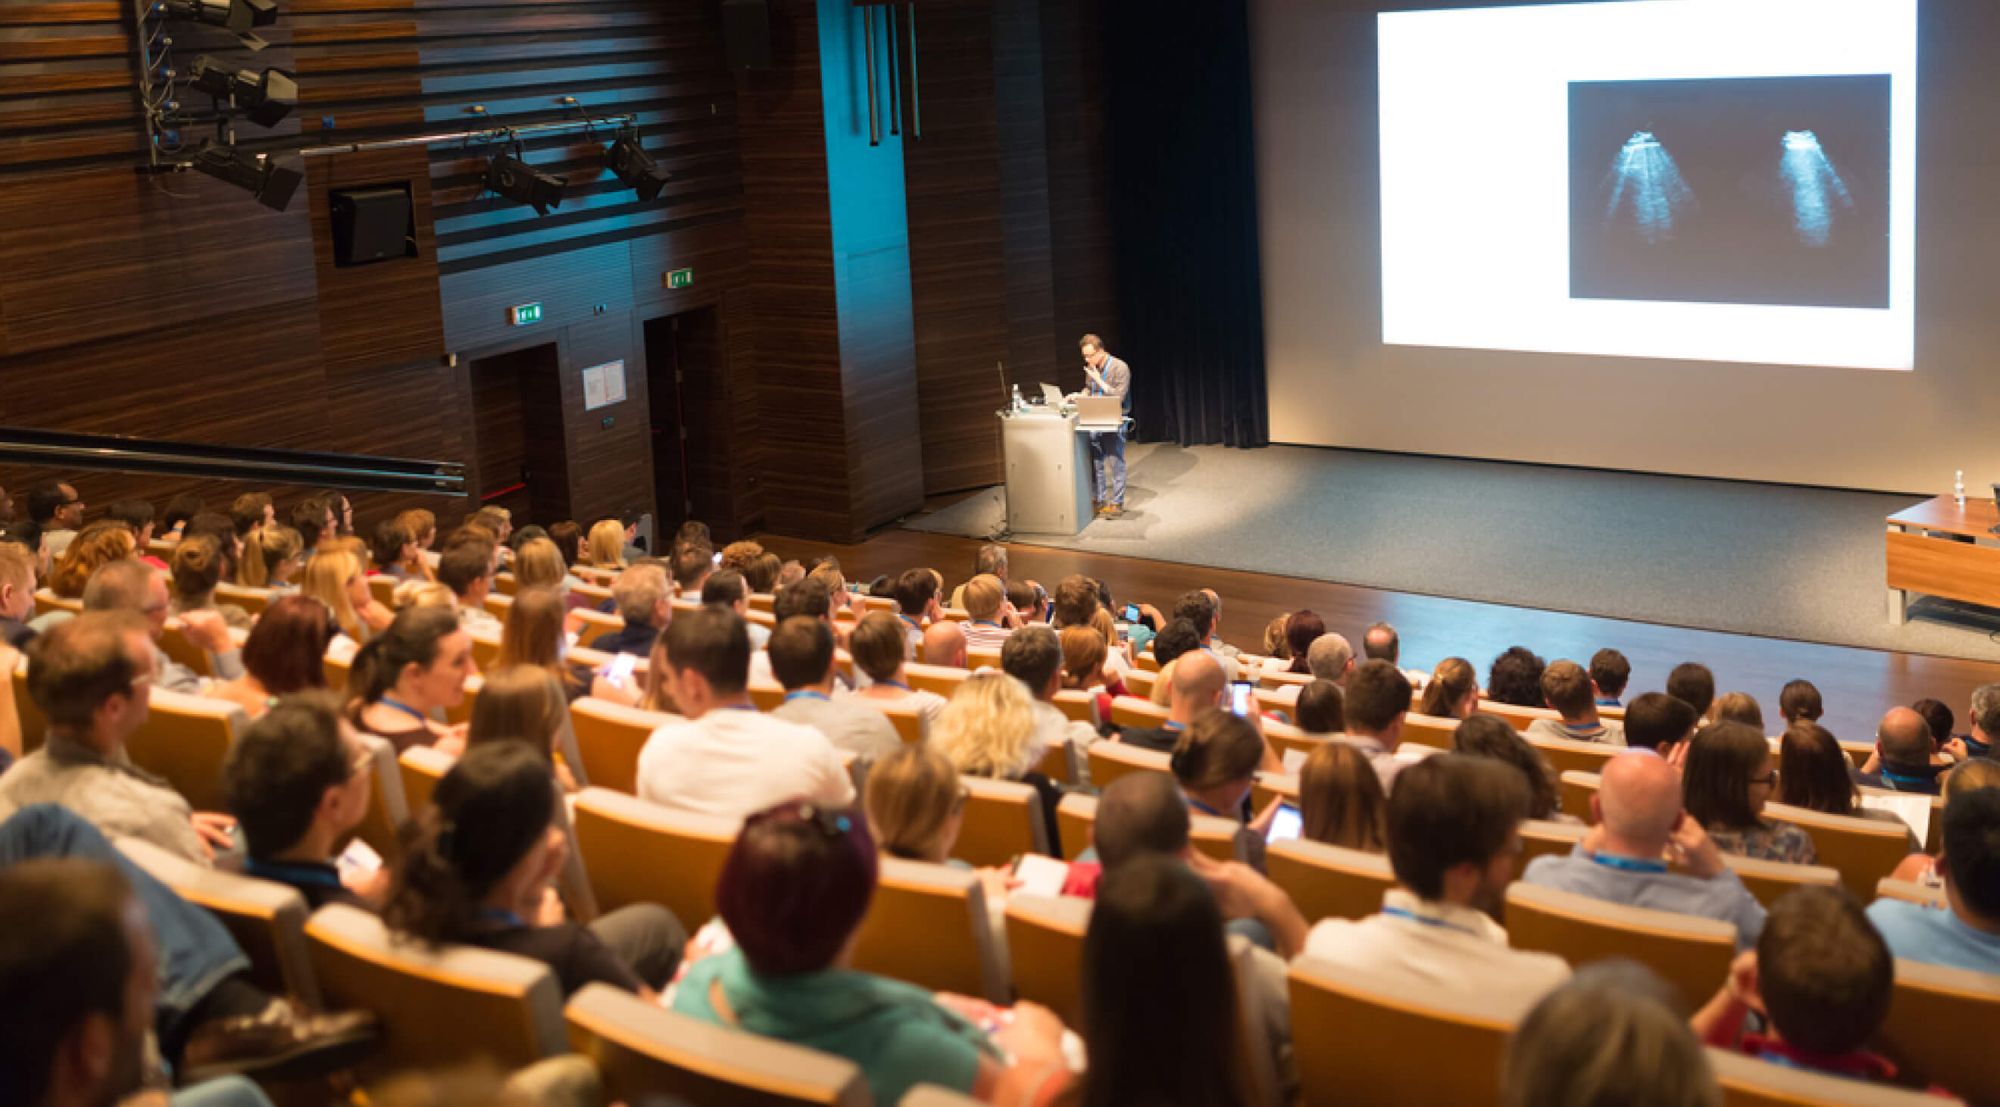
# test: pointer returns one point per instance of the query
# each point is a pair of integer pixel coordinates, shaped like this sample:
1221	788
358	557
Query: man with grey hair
991	560
133	586
645	602
1330	658
1985	717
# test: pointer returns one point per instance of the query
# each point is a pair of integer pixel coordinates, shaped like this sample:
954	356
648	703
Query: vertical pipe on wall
868	44
891	50
916	109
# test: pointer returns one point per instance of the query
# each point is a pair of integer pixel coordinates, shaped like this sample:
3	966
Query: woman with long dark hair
407	673
1341	801
1729	776
1302	629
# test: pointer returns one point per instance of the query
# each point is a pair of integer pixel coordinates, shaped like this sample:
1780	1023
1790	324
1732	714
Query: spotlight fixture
509	176
635	167
272	183
266	96
236	15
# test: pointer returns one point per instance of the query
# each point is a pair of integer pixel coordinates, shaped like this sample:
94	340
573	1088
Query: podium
1048	472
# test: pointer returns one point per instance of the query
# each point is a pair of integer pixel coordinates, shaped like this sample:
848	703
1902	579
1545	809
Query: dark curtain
1183	202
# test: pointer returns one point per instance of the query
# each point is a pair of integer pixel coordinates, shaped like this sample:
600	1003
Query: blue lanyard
293	873
804	694
1404	913
893	684
1204	808
504	918
406	709
1627	864
1911	781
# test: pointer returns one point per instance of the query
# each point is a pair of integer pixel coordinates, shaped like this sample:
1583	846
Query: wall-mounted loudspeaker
746	33
372	224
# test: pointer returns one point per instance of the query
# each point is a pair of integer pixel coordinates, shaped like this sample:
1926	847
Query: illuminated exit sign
521	315
680	278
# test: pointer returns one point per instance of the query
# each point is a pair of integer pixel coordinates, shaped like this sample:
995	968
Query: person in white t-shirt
728	759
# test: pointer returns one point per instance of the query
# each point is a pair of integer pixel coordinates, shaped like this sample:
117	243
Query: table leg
1899	604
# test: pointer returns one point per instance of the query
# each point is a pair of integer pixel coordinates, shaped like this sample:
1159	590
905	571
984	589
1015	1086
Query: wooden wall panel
610	467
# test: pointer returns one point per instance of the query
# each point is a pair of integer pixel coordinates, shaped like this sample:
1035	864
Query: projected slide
1715	180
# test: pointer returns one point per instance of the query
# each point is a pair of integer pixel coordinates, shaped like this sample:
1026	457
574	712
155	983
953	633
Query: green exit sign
520	315
680	278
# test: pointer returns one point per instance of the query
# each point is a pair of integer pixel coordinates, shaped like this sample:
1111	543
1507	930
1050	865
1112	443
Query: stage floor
1737	557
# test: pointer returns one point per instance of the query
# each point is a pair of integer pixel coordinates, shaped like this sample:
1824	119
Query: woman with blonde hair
334	578
987	729
1453	691
519	703
94	547
915	804
605	548
539	564
1341	801
272	555
533	635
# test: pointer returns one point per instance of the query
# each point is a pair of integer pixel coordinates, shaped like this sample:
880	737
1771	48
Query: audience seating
592	625
1329	882
1863	850
175	643
1770	880
1564	755
438	1006
1292	741
382	588
639	852
942	679
1111	760
1360	1038
1749	1082
267	919
1059	762
387	808
1077	705
908	721
1268	788
1210	834
1689	952
1518	717
34	727
485	648
1003	820
1939	1021
1909	891
1045	951
1139	682
930	1095
928	925
421	767
644	1052
765	695
1541	837
1130	711
1429	730
337	667
497	605
1147	662
982	659
609	737
47	601
1573	790
185	740
763	601
474	684
1274	678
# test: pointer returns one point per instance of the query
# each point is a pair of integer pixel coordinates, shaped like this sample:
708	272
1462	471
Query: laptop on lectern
1099	413
1051	395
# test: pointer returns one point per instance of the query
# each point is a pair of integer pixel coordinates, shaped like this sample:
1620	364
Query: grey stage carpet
1719	555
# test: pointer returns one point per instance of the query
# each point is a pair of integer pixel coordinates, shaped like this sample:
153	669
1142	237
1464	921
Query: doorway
691	417
517	430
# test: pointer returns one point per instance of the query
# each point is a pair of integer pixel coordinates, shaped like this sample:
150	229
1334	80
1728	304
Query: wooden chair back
178	647
1565	755
252	600
267	919
1931	1012
982	659
766	695
1329	882
1003	820
421	768
592	625
1573	791
1863	850
1428	730
1518	717
1111	760
461	712
1130	711
609	737
438	1006
1147	661
387	807
34	725
1909	891
1770	880
383	588
942	679
1689	952
1363	1038
47	601
1140	682
645	1052
928	926
1077	705
1752	1082
1541	838
1277	678
1269	787
639	852
1045	951
185	739
1077	812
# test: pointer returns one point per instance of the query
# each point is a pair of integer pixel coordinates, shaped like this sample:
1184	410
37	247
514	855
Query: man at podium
1107	376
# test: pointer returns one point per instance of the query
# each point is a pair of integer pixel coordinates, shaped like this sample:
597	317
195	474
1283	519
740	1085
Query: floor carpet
1745	558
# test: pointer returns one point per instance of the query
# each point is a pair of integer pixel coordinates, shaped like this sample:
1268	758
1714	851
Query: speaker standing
1107	376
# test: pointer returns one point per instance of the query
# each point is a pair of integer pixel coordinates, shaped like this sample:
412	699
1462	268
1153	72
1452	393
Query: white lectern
1048	473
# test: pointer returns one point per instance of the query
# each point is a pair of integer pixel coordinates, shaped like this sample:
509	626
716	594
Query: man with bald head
944	644
1902	758
1641	828
1196	683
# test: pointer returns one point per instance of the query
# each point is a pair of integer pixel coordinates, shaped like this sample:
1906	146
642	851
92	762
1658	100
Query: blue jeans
224	1091
195	952
1107	468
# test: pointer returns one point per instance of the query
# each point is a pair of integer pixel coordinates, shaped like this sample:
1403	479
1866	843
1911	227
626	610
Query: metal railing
114	453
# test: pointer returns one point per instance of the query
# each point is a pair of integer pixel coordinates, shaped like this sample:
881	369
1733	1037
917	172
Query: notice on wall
603	385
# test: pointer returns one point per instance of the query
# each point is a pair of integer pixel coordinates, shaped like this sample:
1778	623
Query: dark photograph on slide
1750	190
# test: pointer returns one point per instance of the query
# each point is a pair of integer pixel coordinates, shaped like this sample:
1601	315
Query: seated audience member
217	526
138	588
313	517
1966	934
916	595
1033	655
250	511
1086	666
1567	689
298	783
878	646
137	517
1609	673
1175	640
1302	629
1028	601
1983	715
422	526
568	537
1160	1009
1484	735
1728	777
1380	642
404	678
1902	758
272	558
59	510
991	616
396	552
728	588
1321	709
96	546
1738	707
691	566
339	580
802	660
1274	645
91	676
792	894
533	635
1195	685
178	511
1610	1035
1692	683
605	547
1452	692
1980	772
645	602
1378	699
538	563
194	570
1661	723
285	653
1799	699
1821	978
726	758
1814	773
1454	837
945	644
87	976
991	560
1330	658
466	568
1340	799
17	594
988	730
1623	859
480	867
1216	763
1211	627
1515	678
1942	722
520	703
915	804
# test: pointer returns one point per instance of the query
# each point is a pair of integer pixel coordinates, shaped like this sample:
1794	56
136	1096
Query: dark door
518	434
691	416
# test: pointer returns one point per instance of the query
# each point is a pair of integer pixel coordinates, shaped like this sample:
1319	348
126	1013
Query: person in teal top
793	893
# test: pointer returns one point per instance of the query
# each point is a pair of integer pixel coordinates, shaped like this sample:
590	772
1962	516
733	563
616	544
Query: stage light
629	160
1811	175
272	183
1646	173
266	96
236	15
522	183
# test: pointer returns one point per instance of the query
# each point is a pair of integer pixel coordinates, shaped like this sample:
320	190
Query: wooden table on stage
1943	548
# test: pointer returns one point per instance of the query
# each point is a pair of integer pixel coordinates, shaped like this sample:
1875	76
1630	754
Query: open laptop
1099	413
1051	395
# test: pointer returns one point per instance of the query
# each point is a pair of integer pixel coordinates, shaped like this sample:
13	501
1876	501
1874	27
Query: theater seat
1542	838
639	852
438	1006
185	739
645	1052
1770	880
982	659
1429	730
1361	1038
474	684
1077	705
930	1095
382	588
267	919
1139	682
927	925
1131	711
609	737
942	679
1863	850
592	625
1690	952
1211	835
34	727
1574	790
1111	760
1909	891
421	767
1564	755
381	824
1750	1082
175	643
1003	820
1045	951
252	600
765	695
1937	1020
1329	882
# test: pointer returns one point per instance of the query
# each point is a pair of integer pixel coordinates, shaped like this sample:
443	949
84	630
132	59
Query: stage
1742	558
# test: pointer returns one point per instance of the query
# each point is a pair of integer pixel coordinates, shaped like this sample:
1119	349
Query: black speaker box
746	33
372	224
